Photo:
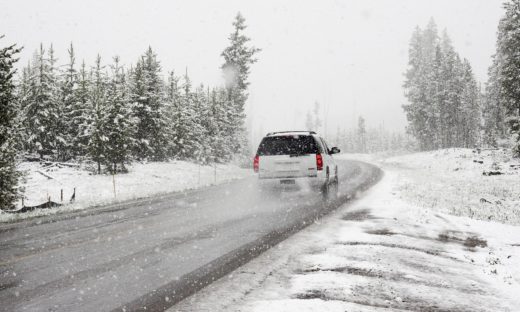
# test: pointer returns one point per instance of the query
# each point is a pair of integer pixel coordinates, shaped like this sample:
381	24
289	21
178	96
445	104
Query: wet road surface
150	254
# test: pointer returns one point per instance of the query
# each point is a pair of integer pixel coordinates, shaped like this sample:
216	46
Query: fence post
73	197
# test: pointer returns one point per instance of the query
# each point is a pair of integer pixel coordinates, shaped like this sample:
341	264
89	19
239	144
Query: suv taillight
256	163
319	162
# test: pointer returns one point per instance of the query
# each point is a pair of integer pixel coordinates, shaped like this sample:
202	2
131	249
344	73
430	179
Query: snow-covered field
142	180
458	182
417	241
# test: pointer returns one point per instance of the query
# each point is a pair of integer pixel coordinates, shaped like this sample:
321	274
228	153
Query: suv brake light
319	162
256	163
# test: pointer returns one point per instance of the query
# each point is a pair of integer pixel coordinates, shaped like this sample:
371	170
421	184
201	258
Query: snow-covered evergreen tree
146	91
23	97
218	129
415	92
119	124
69	106
493	110
81	114
8	110
42	110
238	57
58	127
96	127
205	125
508	50
172	114
469	125
188	127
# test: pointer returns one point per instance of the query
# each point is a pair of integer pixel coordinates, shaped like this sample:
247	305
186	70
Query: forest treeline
443	107
113	114
447	107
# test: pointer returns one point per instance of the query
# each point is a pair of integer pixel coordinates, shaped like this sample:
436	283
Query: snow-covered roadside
143	180
461	182
383	252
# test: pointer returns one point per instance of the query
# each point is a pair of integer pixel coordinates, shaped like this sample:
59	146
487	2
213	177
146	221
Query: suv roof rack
279	132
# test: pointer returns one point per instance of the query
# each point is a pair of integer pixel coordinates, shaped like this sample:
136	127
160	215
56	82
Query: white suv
296	156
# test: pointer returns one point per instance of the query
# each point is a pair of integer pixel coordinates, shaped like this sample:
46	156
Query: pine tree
494	111
147	95
23	97
69	106
216	131
171	112
96	128
508	49
238	57
223	151
415	91
137	88
118	121
438	124
8	110
453	88
81	114
205	125
58	126
188	129
41	110
470	108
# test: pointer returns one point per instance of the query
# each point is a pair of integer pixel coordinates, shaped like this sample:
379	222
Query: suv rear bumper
289	174
316	181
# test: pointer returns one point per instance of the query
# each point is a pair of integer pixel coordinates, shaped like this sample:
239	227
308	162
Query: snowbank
143	180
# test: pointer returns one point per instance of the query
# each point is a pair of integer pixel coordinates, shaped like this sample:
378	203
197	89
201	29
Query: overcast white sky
349	55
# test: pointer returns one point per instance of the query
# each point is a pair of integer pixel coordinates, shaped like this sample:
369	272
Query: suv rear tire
330	189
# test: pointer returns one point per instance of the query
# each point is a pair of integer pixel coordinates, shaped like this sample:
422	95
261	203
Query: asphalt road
150	254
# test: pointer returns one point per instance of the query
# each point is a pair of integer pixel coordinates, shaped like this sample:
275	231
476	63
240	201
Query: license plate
287	182
287	166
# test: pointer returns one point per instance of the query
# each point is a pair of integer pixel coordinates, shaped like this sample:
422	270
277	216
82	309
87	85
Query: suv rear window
288	145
